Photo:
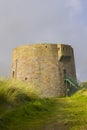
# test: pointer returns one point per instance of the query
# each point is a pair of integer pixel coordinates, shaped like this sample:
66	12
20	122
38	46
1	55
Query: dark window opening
13	74
26	78
64	72
63	48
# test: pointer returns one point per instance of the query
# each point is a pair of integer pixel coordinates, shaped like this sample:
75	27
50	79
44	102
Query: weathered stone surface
44	66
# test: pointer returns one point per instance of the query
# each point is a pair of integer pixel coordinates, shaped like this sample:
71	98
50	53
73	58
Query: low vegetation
22	109
14	92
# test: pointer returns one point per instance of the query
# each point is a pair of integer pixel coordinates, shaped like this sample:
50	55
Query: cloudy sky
36	21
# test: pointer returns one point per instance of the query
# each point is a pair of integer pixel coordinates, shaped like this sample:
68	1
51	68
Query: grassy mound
22	109
12	91
21	106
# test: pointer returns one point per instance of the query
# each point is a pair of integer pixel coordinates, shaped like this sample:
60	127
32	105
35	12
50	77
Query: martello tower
45	66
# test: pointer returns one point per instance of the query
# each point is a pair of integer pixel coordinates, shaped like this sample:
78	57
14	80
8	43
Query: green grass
22	109
26	116
12	91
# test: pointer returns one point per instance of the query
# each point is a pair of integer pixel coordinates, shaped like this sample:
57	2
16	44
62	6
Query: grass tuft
12	91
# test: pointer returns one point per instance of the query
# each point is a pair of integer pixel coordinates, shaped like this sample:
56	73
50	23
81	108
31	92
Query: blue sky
38	21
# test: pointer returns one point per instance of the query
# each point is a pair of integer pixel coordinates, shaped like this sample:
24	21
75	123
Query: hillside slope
20	110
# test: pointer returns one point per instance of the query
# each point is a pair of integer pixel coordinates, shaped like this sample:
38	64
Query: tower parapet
64	51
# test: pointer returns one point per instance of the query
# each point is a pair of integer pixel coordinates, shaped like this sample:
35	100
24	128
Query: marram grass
22	109
13	91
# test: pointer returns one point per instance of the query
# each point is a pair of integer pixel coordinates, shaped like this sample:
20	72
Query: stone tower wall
66	60
43	66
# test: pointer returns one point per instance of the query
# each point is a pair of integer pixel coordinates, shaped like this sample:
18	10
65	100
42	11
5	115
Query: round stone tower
44	66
